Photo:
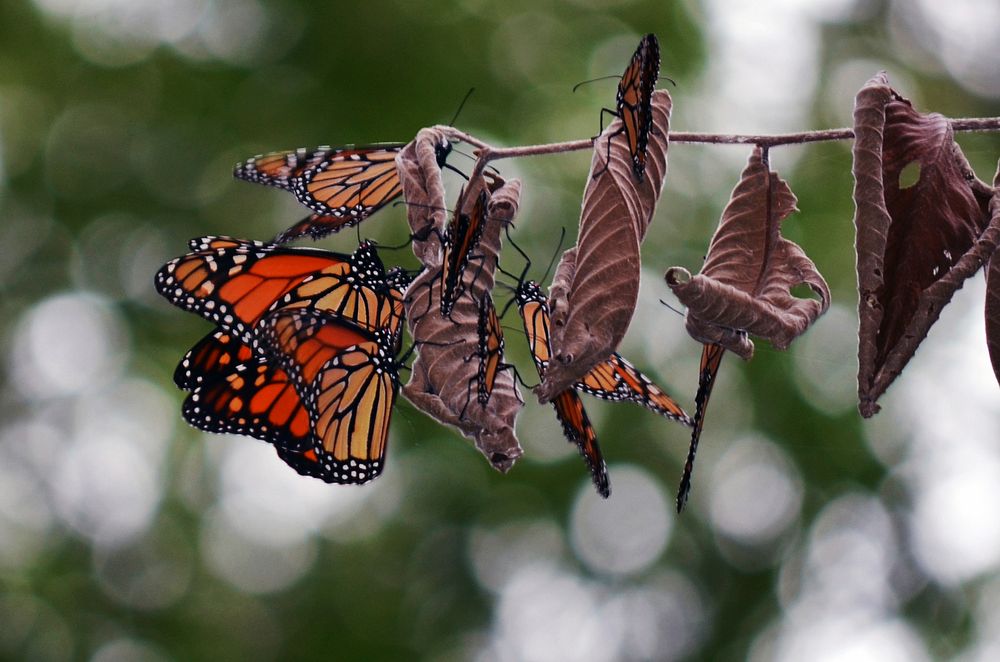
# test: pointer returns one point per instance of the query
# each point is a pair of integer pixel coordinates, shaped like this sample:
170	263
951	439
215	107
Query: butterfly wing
618	379
569	407
490	348
216	353
344	188
635	96
578	429
347	379
254	398
711	357
233	282
280	169
362	294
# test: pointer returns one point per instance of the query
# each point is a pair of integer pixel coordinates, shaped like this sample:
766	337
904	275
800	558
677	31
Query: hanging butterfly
235	282
634	102
235	388
341	185
489	353
569	407
348	379
711	357
615	379
461	239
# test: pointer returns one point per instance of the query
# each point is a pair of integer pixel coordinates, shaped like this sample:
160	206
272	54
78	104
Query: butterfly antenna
552	261
527	260
456	170
594	80
461	106
676	310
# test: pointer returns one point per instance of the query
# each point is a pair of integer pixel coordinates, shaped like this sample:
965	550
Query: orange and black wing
280	169
578	429
490	348
711	357
397	280
535	316
617	379
361	294
233	282
344	188
254	398
635	96
569	407
348	380
461	239
215	354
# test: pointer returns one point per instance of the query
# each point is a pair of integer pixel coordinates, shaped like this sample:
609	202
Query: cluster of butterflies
307	346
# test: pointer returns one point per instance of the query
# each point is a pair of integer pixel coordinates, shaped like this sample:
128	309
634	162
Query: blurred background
810	534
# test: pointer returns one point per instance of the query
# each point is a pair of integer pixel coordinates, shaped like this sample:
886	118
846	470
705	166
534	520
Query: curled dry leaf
746	281
596	285
442	373
745	285
916	242
993	305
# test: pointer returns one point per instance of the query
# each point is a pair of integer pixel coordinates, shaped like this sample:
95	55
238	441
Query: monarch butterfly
348	379
235	387
341	185
569	408
634	102
235	282
489	352
615	379
711	357
461	238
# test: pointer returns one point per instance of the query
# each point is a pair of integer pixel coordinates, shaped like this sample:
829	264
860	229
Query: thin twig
486	153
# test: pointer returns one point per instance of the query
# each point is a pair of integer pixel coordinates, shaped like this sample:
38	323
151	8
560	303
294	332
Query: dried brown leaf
915	243
993	309
745	284
442	372
596	286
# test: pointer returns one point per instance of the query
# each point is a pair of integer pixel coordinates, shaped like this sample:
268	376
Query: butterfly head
442	150
529	291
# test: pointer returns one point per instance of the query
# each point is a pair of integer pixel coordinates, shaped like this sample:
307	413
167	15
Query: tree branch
486	152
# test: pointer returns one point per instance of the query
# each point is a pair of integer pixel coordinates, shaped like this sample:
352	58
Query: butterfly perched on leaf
633	103
614	379
341	185
569	408
461	239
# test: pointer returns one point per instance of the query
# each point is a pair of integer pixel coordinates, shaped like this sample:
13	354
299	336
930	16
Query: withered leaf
745	286
915	243
596	285
442	372
746	281
993	308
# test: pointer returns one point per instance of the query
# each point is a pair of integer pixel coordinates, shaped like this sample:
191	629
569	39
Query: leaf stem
487	152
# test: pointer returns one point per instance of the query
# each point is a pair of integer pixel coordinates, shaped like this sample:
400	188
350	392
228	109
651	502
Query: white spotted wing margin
348	379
